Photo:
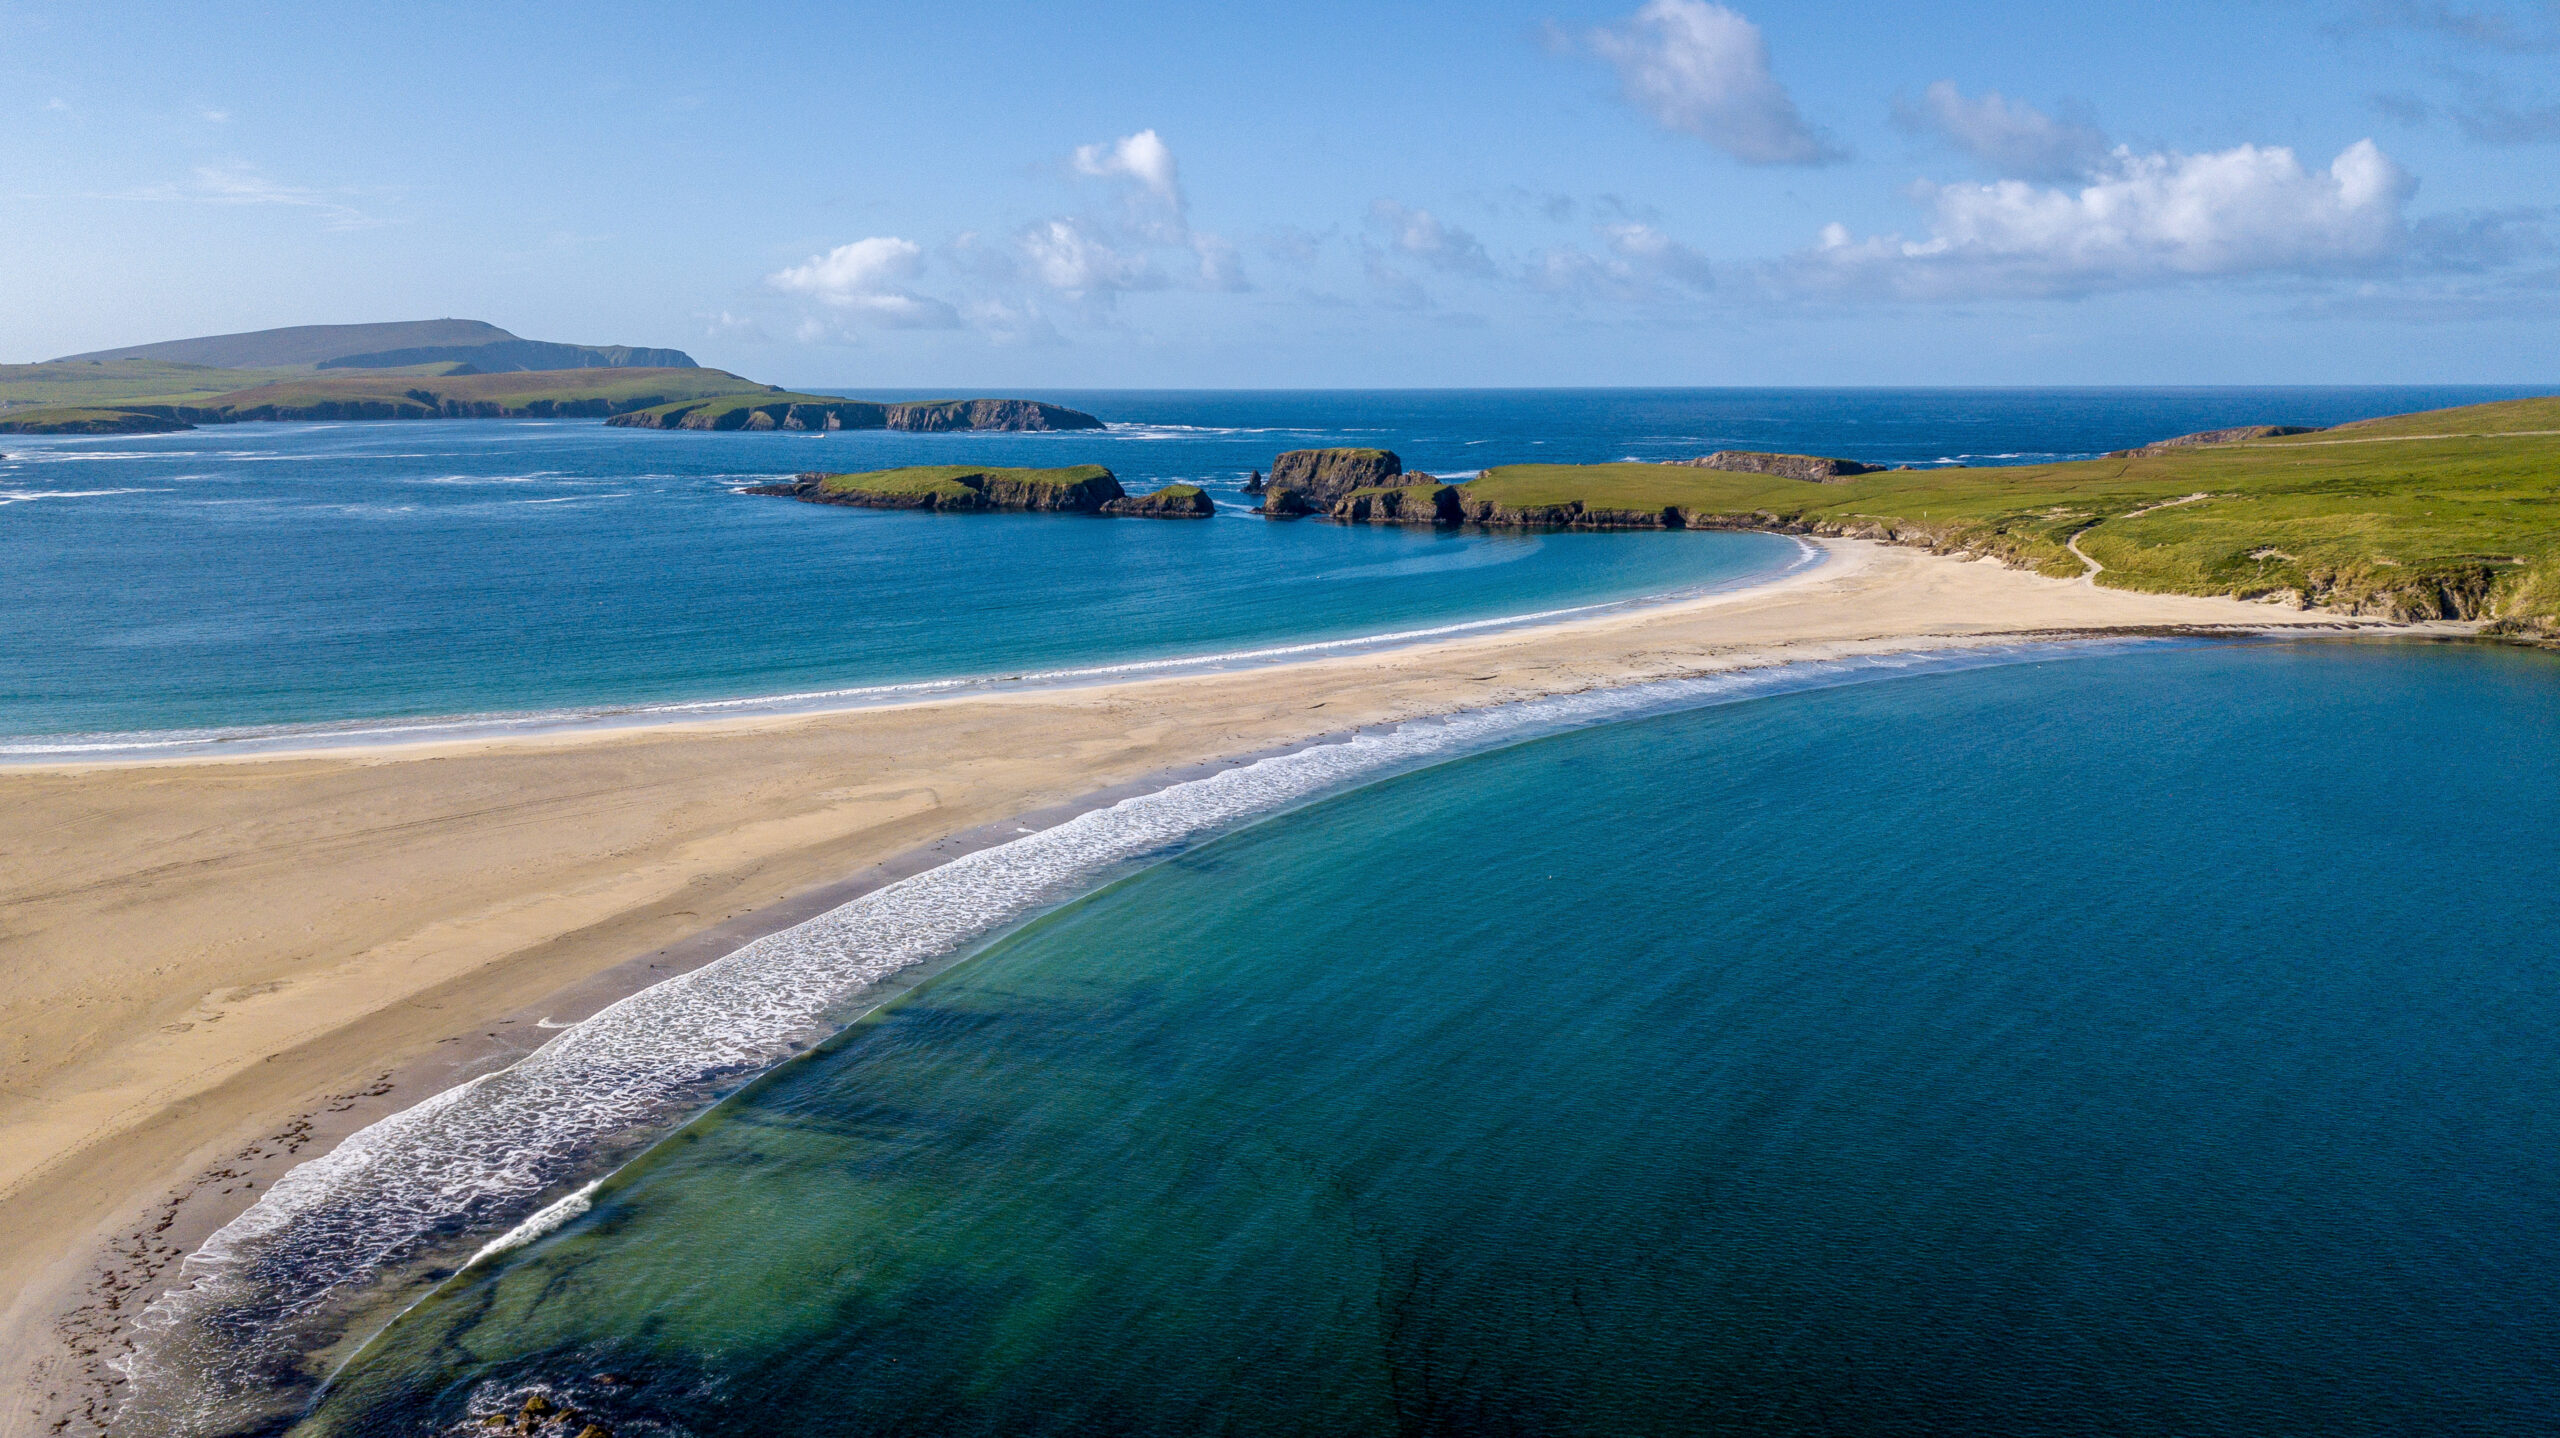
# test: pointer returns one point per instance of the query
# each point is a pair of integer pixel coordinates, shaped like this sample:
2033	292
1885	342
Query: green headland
2446	514
443	369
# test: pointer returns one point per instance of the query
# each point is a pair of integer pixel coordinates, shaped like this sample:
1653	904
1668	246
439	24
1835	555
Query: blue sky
1520	192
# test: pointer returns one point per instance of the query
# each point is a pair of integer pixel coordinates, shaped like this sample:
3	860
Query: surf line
479	1158
358	733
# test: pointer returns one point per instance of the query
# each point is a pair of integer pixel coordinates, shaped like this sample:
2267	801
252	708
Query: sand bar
197	955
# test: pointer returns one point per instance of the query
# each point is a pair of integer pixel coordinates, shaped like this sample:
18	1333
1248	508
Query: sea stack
1309	481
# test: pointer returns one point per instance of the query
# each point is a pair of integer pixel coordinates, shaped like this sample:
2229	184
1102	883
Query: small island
960	488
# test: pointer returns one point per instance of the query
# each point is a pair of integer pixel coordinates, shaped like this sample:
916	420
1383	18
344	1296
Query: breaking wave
228	1345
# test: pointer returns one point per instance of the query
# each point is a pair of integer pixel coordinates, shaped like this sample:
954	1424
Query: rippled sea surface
2152	1042
251	576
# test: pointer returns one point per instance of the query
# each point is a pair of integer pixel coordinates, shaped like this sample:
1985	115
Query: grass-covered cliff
2447	514
781	409
1082	488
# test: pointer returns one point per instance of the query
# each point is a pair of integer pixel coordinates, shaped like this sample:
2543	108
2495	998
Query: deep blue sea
2155	1042
241	578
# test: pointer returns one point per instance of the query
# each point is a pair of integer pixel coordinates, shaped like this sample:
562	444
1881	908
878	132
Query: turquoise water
2153	1043
244	578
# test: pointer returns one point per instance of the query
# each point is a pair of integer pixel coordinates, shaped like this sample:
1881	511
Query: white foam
545	1220
481	1154
452	726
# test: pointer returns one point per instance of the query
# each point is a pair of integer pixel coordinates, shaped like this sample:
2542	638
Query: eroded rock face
1174	501
1427	503
2214	436
1310	481
993	490
1813	468
1013	414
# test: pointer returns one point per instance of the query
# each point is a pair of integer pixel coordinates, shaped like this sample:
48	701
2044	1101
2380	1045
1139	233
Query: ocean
2153	1041
300	583
2138	1036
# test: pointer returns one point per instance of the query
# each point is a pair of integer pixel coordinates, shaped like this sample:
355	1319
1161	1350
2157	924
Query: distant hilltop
484	347
445	369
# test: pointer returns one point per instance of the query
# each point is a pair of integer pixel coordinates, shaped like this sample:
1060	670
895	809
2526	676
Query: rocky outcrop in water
1310	481
785	411
1813	468
1084	489
2213	436
1002	414
1174	501
1430	502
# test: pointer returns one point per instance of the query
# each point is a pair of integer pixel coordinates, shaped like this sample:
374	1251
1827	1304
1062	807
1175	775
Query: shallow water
2156	1042
251	576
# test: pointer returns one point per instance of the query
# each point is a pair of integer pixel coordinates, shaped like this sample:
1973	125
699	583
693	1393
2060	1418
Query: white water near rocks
227	1346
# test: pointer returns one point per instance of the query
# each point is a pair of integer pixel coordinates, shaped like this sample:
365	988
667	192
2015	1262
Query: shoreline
243	1123
394	733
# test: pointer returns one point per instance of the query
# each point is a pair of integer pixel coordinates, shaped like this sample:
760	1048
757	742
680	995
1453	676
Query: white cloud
1064	256
2016	140
1424	236
867	278
1638	264
1704	70
1143	157
2150	219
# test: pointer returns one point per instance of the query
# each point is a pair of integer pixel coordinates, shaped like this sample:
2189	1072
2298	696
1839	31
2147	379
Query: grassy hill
107	383
523	394
2452	513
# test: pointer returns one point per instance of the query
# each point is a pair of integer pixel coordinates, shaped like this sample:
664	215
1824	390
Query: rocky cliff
1813	468
1174	501
778	409
1084	488
1309	481
89	421
1009	414
1427	503
2213	436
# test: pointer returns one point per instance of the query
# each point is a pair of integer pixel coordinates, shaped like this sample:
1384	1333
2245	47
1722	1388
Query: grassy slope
617	387
944	479
72	419
750	396
103	386
2379	522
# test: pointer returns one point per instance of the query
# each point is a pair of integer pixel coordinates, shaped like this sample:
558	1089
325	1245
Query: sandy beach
211	968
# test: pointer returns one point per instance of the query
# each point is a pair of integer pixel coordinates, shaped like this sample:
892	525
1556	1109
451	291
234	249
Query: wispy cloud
1422	235
2016	140
1637	264
1703	70
2528	28
2480	108
240	183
